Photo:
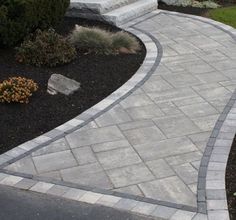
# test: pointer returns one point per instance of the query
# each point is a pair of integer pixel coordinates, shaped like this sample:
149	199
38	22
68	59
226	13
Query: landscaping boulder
61	84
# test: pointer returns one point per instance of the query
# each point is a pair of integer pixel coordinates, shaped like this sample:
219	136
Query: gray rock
61	84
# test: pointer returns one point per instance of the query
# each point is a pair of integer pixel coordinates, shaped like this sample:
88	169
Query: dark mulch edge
99	77
231	181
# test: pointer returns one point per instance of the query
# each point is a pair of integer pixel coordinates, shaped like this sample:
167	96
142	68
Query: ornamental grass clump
17	89
45	48
98	41
91	40
122	40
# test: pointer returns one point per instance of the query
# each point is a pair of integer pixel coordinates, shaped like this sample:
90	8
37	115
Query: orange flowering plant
17	89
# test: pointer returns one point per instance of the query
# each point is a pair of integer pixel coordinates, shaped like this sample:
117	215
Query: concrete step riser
98	8
120	15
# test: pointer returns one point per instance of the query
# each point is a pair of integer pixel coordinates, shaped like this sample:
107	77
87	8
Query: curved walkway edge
176	118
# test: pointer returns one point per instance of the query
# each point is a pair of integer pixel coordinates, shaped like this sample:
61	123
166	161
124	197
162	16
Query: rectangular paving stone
215	93
58	190
90	174
41	187
90	197
163	212
56	146
198	110
116	115
145	112
218	214
24	165
110	146
136	100
74	194
144	208
184	158
129	175
118	158
182	80
211	77
136	124
165	190
166	148
215	184
172	94
144	135
132	190
126	204
25	184
217	204
94	136
217	194
54	161
160	168
206	123
108	200
175	126
189	101
10	180
4	158
84	155
156	84
186	172
183	215
200	216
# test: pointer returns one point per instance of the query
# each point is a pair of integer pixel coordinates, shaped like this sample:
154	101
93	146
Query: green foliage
124	40
45	48
225	15
21	17
99	41
17	89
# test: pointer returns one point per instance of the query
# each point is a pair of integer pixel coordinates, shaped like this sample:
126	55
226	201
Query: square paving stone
84	155
54	161
94	136
145	112
175	126
166	148
90	175
144	135
129	175
118	158
115	115
198	110
164	212
170	189
160	168
136	100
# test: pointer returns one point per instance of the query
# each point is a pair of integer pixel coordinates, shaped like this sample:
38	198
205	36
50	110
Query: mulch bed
99	76
231	181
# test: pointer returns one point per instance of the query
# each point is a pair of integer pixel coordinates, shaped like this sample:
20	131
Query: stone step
126	11
97	6
130	11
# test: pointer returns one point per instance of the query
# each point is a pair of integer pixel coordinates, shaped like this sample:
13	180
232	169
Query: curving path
150	146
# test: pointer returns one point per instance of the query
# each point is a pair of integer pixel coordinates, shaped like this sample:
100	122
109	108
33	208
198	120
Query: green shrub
21	17
45	48
102	42
92	40
124	40
17	89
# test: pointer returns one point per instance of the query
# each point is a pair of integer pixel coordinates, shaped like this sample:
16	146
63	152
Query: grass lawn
225	15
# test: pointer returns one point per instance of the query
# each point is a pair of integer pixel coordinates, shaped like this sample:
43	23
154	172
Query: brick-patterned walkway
151	143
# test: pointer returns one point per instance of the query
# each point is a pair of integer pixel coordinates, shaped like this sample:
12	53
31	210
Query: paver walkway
151	143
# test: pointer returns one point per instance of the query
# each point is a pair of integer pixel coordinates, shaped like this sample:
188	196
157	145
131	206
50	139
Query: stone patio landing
152	142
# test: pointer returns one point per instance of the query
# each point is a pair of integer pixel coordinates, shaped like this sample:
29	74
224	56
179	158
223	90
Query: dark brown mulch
99	76
231	181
